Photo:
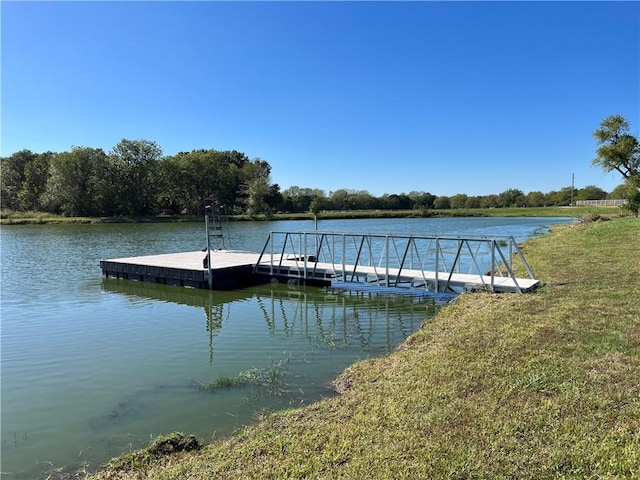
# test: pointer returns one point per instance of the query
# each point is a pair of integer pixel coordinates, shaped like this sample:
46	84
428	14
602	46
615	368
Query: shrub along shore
29	218
540	385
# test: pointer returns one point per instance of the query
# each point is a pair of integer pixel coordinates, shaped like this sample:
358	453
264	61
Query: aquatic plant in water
270	378
222	382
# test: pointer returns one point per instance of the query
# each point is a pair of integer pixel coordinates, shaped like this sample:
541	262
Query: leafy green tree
535	199
137	163
13	176
256	177
340	199
297	199
472	202
232	169
185	179
273	198
405	202
396	202
489	201
36	175
442	203
618	150
560	198
618	193
422	200
171	184
511	197
633	195
76	185
363	200
316	205
590	192
303	203
459	200
292	191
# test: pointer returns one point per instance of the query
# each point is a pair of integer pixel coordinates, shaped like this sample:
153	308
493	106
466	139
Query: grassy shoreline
40	218
542	385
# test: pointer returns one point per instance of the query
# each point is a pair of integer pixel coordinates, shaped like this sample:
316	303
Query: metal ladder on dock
214	233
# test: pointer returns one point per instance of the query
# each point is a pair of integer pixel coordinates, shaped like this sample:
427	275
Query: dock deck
237	269
230	269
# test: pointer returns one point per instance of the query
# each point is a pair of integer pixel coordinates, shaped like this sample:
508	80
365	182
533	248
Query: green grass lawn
540	385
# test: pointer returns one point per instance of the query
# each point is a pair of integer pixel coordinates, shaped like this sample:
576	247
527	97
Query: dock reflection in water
371	319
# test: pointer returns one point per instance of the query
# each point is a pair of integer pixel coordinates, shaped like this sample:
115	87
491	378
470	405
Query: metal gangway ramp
439	263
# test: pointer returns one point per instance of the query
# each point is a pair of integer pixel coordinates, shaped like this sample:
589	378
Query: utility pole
573	177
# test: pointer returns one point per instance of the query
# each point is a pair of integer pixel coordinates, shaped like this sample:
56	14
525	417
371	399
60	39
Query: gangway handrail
307	258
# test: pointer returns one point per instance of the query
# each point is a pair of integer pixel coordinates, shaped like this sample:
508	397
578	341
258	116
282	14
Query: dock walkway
396	277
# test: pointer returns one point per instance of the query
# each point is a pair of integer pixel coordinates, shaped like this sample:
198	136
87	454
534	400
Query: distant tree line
136	179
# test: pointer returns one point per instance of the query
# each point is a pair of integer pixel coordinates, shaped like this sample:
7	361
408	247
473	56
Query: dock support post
303	252
344	259
207	209
437	266
271	259
386	265
510	260
493	264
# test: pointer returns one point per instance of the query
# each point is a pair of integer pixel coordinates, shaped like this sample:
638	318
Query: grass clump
222	382
270	378
543	385
159	452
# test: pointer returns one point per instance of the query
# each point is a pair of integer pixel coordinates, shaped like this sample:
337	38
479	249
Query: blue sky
389	97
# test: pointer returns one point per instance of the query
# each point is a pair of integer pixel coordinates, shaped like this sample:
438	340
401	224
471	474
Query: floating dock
232	269
431	262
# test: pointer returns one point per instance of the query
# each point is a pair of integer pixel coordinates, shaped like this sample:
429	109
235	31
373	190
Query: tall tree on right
620	151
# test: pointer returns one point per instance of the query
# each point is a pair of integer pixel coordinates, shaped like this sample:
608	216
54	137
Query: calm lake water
94	367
